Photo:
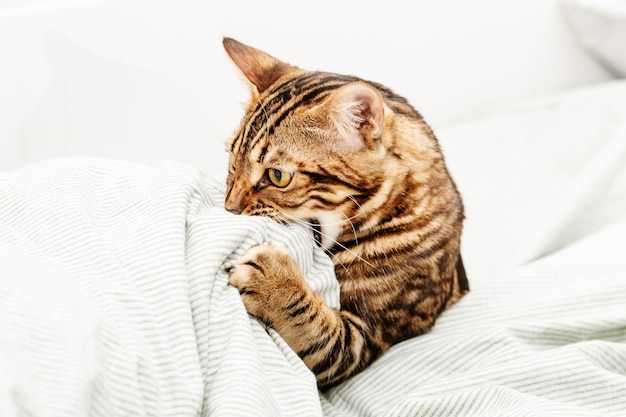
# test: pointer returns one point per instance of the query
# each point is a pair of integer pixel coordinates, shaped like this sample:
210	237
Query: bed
114	298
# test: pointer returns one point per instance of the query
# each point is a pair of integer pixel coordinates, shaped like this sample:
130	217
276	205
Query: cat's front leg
333	344
273	289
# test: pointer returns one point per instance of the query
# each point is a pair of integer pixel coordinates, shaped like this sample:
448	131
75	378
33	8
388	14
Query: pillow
600	26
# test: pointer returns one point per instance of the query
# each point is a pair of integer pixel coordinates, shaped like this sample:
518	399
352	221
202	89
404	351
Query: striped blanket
114	298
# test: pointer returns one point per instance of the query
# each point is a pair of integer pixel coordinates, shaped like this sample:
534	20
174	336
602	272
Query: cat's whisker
349	220
219	187
334	257
345	268
310	224
337	223
290	217
356	238
357	204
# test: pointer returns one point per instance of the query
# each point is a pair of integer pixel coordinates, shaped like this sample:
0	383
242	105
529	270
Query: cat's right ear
259	68
357	112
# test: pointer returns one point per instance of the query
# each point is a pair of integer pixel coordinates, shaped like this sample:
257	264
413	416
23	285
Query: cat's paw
266	276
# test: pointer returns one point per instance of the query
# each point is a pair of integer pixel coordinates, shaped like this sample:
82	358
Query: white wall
148	80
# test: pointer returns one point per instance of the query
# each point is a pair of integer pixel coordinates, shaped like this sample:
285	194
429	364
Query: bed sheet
114	297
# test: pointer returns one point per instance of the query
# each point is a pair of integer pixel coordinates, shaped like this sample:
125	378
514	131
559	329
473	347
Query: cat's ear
357	112
259	68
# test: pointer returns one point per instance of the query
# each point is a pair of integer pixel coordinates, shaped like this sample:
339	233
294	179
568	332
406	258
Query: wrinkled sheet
114	297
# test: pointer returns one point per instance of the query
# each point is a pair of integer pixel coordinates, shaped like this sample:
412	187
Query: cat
358	165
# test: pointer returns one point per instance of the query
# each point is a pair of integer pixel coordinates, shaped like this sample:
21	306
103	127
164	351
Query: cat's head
308	148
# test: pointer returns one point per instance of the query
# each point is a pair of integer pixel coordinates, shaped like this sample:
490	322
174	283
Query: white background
149	81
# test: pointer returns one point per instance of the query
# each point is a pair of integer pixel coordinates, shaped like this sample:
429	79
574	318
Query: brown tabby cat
359	165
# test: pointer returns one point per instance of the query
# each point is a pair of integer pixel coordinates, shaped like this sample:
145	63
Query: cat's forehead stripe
289	96
287	101
288	86
260	115
269	129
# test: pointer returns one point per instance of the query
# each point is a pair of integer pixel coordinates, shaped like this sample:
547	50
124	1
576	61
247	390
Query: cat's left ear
357	112
260	68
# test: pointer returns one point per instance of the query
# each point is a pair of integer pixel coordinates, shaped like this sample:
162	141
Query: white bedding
114	296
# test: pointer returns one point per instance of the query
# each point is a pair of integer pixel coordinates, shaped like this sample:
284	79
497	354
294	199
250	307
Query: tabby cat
359	165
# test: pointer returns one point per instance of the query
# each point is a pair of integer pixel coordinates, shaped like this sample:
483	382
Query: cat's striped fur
359	165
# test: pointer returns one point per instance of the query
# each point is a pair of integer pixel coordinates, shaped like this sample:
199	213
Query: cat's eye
279	178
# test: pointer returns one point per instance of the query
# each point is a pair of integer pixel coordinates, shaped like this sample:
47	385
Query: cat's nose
236	200
234	204
233	209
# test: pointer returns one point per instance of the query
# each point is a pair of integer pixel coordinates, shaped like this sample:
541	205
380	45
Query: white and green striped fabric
114	298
